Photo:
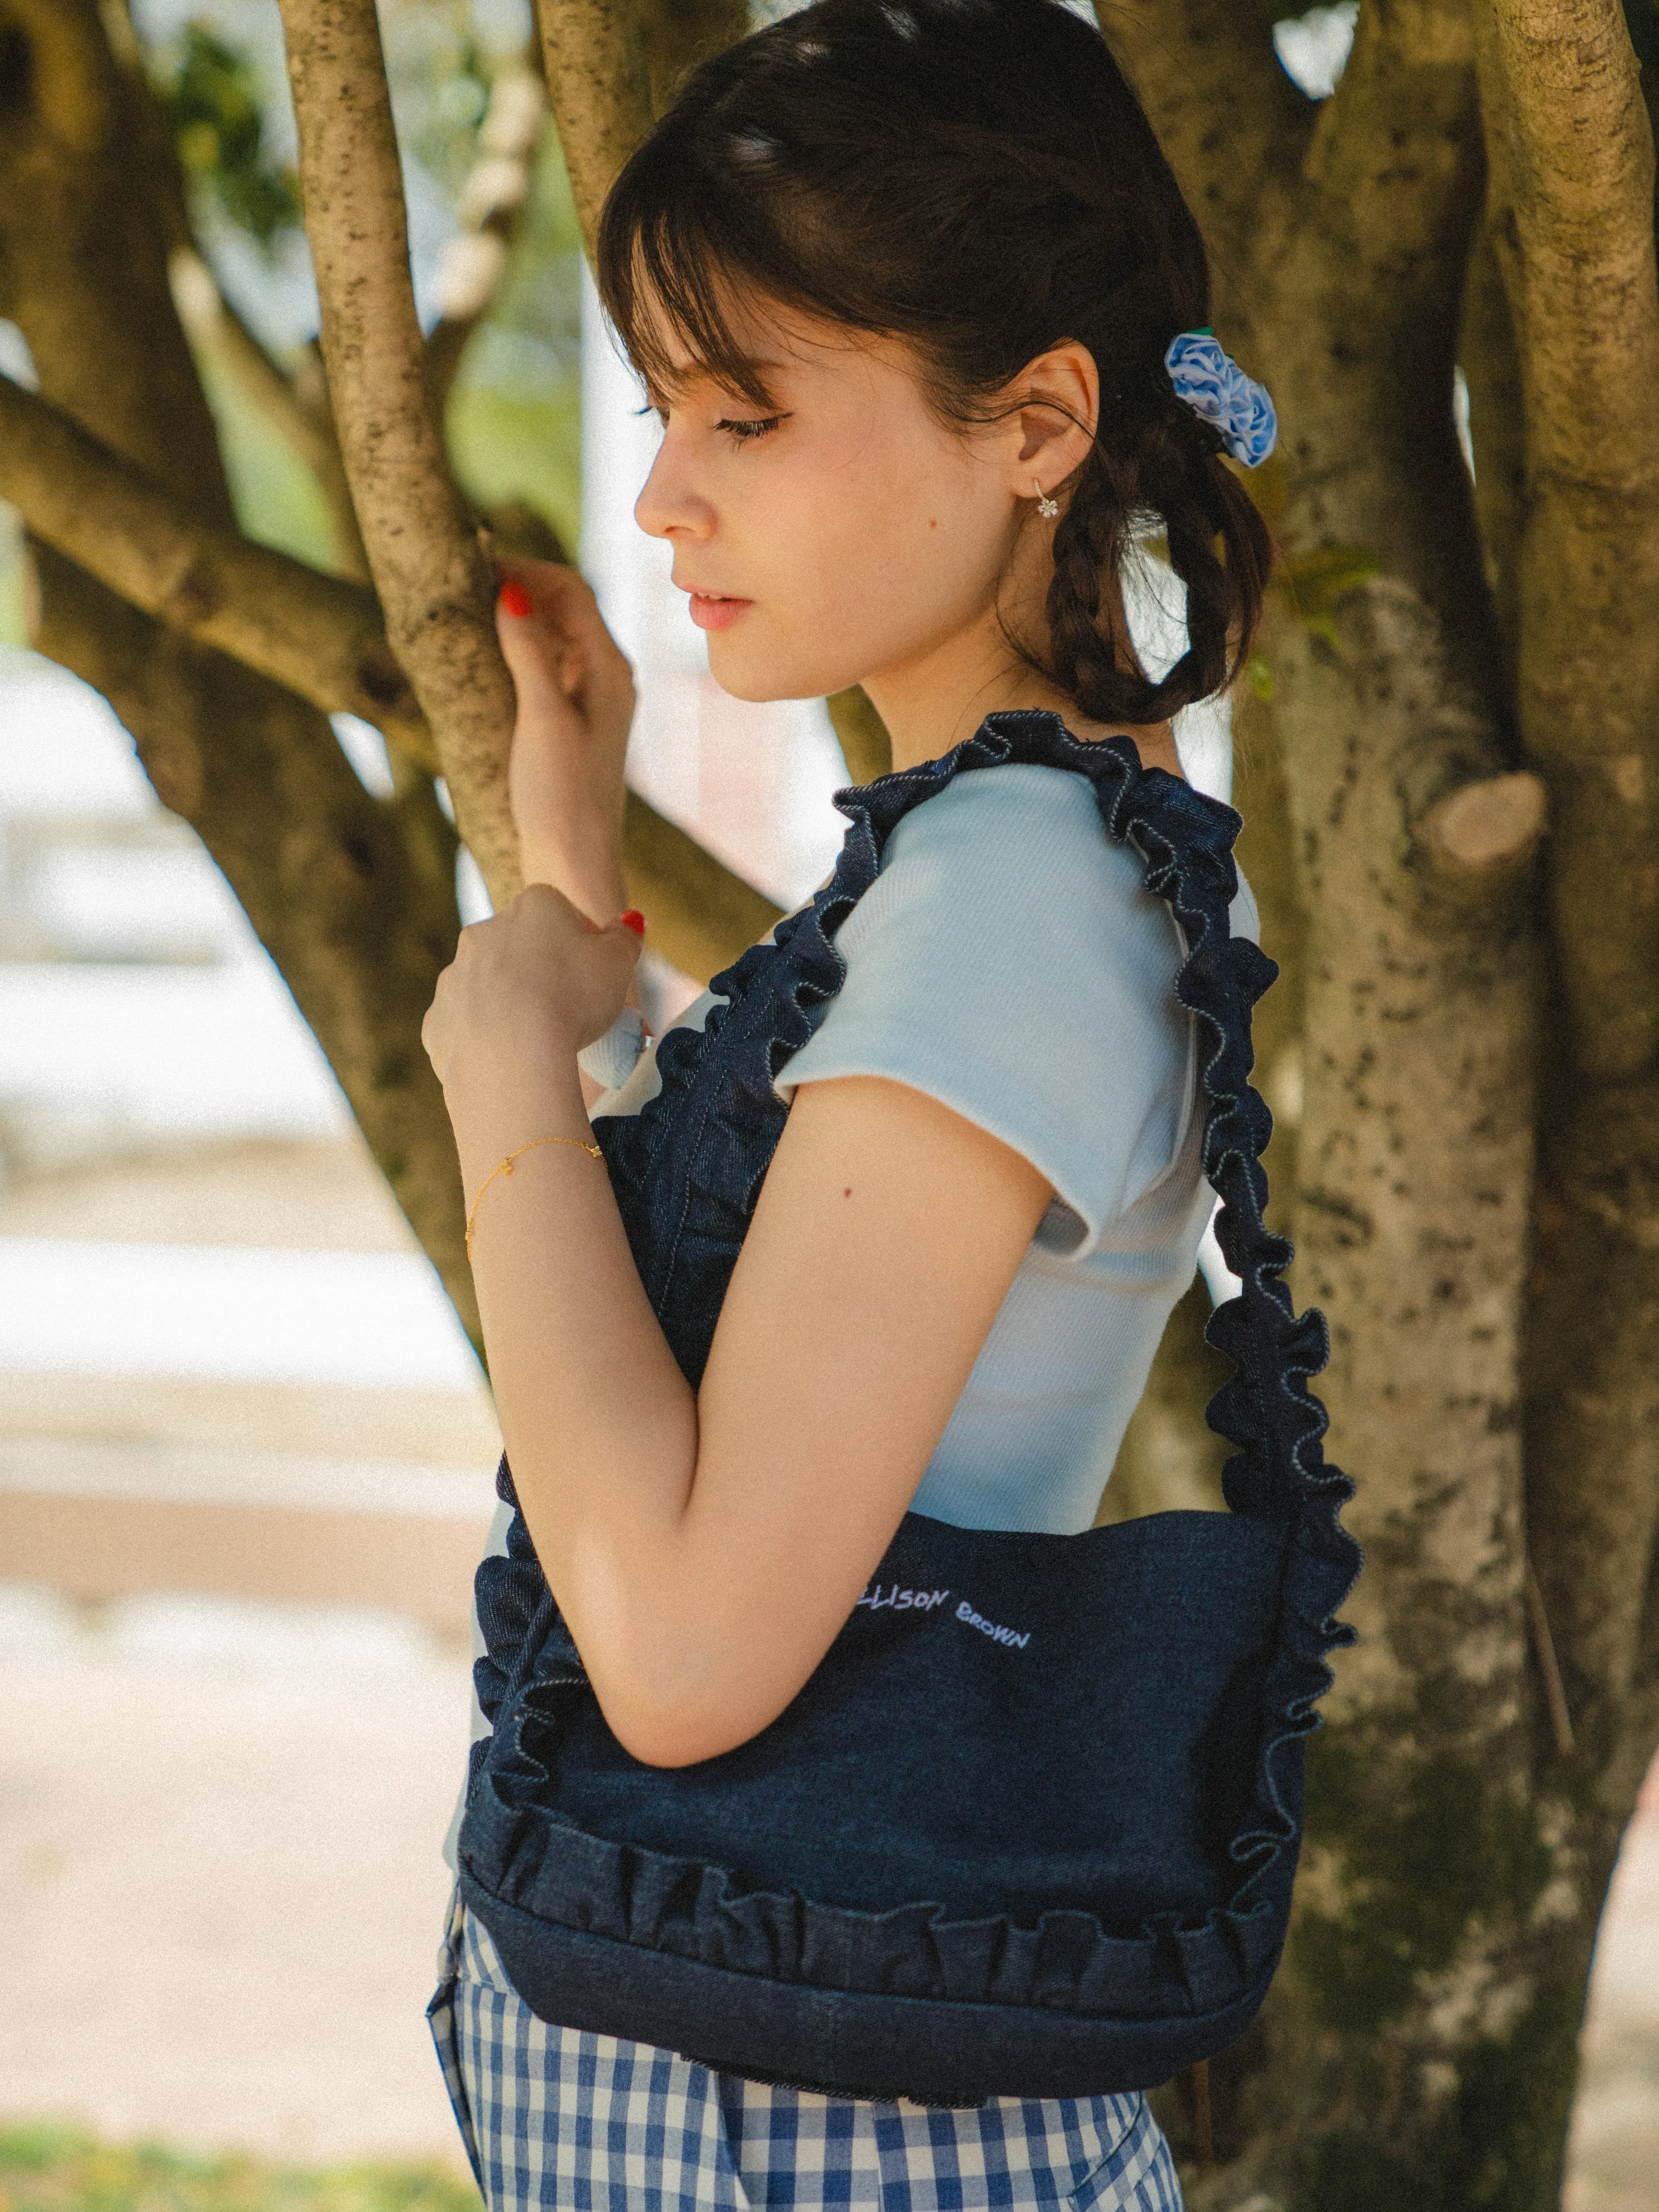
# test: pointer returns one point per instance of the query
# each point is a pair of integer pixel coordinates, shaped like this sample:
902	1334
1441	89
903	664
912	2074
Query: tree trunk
1419	2049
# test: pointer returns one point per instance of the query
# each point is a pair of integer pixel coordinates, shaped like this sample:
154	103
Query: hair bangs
667	272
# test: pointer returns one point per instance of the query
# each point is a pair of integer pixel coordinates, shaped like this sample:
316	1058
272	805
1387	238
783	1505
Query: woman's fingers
541	657
549	608
540	964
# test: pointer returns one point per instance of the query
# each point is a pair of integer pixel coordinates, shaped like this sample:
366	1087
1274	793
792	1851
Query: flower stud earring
1047	507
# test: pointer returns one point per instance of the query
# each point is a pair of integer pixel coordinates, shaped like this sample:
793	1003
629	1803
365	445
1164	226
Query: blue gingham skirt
556	2116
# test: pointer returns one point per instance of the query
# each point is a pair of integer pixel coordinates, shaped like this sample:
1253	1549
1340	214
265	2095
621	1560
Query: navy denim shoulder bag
1030	1830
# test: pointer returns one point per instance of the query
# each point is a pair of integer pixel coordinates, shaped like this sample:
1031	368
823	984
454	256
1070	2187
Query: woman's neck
926	718
940	697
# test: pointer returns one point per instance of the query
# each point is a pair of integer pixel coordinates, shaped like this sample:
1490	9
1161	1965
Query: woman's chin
761	681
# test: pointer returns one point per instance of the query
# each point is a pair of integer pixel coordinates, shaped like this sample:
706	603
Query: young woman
903	279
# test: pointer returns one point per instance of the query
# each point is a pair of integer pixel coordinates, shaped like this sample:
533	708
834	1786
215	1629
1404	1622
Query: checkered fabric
555	2116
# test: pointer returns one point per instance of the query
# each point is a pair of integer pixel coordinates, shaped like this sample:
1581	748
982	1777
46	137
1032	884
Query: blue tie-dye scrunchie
1213	384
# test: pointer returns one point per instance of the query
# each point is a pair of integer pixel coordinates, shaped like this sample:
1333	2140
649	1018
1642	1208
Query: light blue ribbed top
1009	962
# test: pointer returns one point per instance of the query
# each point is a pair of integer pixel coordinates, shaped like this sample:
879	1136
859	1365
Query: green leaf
211	93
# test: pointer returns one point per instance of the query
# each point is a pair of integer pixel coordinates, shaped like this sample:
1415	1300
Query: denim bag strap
1031	1828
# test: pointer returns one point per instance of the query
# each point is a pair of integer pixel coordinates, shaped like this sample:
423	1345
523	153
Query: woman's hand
575	695
525	991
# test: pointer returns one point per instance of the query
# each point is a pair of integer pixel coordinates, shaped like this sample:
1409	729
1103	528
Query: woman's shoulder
1028	841
1009	961
1006	811
1010	871
1008	824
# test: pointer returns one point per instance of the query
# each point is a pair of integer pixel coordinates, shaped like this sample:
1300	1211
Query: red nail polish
515	601
634	920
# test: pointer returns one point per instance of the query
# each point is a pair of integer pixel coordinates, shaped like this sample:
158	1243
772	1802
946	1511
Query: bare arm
705	1549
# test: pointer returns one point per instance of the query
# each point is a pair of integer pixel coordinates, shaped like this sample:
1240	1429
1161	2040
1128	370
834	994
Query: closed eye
758	427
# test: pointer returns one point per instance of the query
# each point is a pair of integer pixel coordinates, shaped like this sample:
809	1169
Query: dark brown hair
974	177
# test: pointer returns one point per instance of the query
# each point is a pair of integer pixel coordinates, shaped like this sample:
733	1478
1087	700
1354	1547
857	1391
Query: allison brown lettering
1016	1637
920	1600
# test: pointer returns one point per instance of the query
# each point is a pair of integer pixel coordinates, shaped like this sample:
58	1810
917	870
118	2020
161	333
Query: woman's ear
1057	397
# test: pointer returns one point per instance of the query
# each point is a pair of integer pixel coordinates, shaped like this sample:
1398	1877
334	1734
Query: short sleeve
1009	962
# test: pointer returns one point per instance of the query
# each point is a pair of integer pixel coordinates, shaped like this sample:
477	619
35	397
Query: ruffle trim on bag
521	1851
541	1865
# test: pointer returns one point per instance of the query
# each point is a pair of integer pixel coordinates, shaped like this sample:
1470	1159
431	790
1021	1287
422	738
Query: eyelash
745	430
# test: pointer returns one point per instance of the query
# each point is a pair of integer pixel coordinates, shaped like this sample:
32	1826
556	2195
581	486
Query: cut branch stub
600	92
1485	833
434	582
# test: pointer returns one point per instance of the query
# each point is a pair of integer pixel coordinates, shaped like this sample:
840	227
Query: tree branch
320	636
601	95
1359	280
215	327
428	567
212	323
1592	1433
677	34
861	734
74	240
475	260
700	915
358	933
1571	154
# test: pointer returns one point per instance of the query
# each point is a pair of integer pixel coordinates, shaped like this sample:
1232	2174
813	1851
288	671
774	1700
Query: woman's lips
709	610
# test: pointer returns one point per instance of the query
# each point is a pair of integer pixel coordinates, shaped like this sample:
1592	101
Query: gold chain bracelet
506	1169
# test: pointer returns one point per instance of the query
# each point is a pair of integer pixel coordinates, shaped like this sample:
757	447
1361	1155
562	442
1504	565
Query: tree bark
1572	159
600	90
677	34
1487	353
1571	150
434	582
1230	121
1418	2048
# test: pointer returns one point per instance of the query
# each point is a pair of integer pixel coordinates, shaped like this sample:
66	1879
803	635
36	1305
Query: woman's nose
669	505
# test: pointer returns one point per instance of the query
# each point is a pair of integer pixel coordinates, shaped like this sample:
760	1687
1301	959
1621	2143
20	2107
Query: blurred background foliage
55	2169
211	94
